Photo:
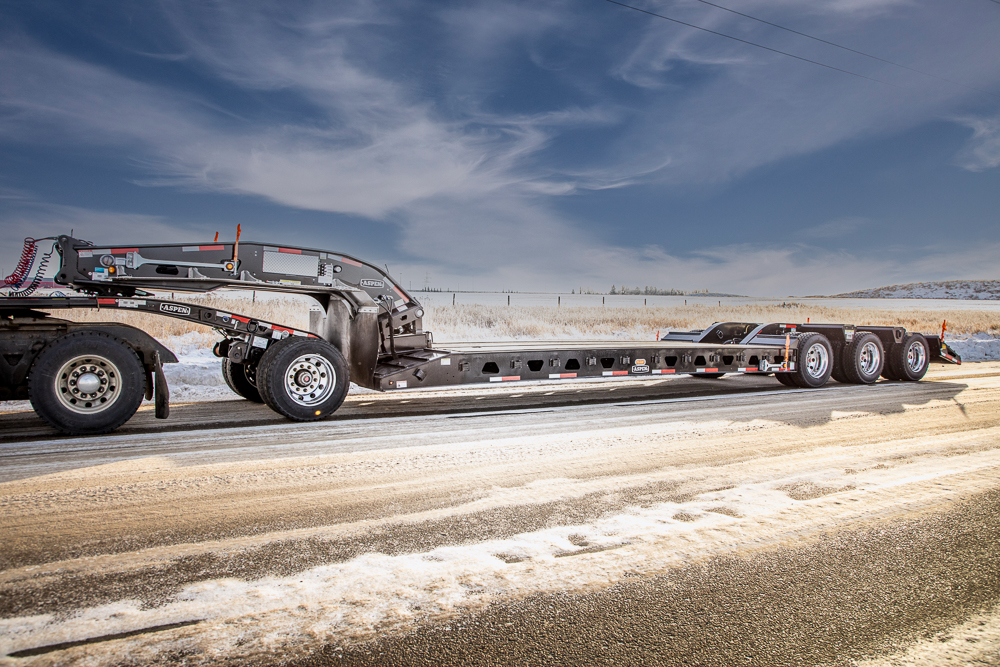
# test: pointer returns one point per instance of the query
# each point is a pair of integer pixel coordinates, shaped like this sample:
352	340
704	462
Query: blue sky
518	145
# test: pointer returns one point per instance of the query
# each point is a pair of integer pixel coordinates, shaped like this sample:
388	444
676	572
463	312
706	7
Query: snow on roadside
975	347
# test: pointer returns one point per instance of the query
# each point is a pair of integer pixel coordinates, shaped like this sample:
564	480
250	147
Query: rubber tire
271	372
896	358
711	376
852	359
837	373
785	379
42	379
887	371
238	380
801	376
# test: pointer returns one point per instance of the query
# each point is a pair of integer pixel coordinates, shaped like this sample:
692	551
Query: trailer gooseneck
89	378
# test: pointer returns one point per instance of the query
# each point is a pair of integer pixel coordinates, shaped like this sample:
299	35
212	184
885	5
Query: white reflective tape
131	303
190	248
608	373
496	379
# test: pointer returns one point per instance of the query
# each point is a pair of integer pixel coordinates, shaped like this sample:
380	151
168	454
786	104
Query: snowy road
684	522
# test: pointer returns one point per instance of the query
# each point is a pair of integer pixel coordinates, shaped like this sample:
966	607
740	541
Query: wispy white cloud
471	189
983	149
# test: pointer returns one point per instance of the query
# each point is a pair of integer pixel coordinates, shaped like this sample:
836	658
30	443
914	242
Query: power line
744	41
840	46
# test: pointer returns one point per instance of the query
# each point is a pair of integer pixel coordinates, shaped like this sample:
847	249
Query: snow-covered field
951	289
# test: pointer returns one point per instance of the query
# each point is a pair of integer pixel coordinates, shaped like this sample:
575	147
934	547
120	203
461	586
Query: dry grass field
477	322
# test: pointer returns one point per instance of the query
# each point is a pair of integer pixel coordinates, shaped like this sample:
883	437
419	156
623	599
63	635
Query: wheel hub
915	357
817	360
310	379
870	358
88	384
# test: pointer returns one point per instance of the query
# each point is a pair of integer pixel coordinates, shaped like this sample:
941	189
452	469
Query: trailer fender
355	337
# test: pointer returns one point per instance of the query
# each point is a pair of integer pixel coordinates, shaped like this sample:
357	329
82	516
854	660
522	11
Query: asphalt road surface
678	521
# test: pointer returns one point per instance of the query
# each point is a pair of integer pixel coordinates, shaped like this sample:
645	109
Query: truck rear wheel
815	361
908	360
303	378
240	379
863	359
86	383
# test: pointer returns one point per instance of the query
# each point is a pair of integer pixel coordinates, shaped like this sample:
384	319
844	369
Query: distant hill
949	289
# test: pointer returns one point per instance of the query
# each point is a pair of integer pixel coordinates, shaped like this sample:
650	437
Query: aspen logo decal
177	310
640	366
372	283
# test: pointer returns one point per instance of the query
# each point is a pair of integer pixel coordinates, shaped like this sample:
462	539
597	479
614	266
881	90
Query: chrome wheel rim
870	358
916	357
817	360
88	384
310	379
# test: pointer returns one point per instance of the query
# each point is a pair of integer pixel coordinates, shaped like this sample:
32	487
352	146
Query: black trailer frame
369	329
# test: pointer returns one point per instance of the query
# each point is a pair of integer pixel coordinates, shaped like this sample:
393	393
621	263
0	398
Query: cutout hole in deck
754	361
700	361
727	360
671	362
535	365
572	365
490	367
607	362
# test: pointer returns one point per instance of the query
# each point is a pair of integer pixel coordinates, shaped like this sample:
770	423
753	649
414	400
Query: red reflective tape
290	251
619	372
508	378
348	260
399	292
123	250
567	375
107	302
244	320
709	370
211	247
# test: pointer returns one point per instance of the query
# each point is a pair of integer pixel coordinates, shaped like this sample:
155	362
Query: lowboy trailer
91	377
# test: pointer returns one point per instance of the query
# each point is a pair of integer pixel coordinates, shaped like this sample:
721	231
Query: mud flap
160	390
